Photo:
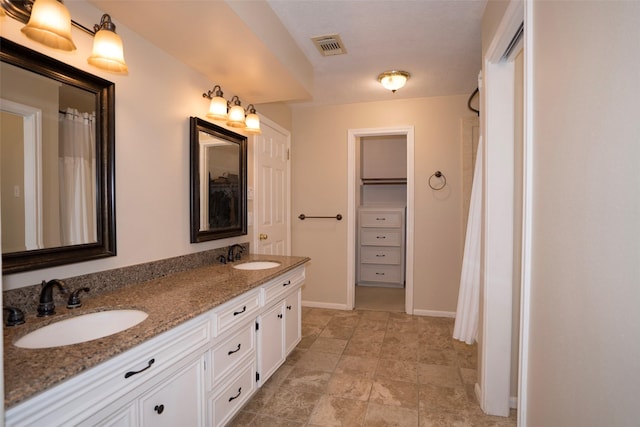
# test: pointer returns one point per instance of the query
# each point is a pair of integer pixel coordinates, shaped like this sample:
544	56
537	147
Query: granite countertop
169	301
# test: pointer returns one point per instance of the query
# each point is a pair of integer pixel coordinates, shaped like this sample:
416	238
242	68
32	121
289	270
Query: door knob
263	236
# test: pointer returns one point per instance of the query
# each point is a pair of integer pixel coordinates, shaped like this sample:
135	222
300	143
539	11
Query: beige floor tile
291	405
349	387
336	411
390	416
394	393
446	357
315	360
366	334
243	419
328	345
375	315
446	376
337	331
357	365
469	376
444	419
306	342
309	380
348	320
398	370
435	398
365	348
266	421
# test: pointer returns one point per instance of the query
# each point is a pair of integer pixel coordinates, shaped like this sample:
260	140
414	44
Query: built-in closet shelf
381	246
383	181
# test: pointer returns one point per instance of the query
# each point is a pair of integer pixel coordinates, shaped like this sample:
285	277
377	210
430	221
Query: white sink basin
256	265
82	328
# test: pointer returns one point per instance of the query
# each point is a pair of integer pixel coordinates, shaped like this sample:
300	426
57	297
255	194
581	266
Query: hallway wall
319	187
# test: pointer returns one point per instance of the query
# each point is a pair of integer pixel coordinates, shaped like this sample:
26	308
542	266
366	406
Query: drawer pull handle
381	237
237	395
233	351
288	307
159	409
287	283
244	308
381	219
380	255
280	316
379	274
132	373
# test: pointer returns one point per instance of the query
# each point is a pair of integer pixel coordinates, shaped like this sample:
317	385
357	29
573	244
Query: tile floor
372	368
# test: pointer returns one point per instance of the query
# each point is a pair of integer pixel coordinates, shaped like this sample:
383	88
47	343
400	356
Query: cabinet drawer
381	219
380	237
235	312
227	356
380	273
224	405
275	290
380	255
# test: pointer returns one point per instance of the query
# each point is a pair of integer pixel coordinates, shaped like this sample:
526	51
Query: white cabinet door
292	329
270	341
177	401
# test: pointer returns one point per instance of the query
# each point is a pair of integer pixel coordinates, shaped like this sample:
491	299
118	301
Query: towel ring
438	174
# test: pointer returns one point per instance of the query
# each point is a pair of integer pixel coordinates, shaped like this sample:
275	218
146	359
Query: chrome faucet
46	307
232	255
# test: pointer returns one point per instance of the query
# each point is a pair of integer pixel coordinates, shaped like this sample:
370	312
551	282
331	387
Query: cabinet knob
159	409
288	307
280	316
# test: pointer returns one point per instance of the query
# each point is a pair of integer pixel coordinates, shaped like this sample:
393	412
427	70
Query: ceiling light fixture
49	22
393	80
232	111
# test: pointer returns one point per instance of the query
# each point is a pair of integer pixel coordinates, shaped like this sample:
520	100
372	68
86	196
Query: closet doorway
381	219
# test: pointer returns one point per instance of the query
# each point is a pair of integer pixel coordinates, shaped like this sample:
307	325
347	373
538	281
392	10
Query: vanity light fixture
49	22
231	111
393	80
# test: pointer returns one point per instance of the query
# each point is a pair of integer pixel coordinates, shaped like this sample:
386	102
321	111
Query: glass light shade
107	52
252	123
50	24
218	108
236	117
393	80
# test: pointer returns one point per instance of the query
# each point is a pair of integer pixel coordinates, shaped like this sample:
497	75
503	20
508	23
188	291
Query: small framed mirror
218	182
57	144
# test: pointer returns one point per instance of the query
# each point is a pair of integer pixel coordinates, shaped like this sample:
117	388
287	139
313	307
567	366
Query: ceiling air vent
329	45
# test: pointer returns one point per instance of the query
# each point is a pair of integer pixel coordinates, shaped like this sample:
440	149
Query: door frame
352	187
264	121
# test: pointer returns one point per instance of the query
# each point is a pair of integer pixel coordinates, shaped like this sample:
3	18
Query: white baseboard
316	304
513	402
434	313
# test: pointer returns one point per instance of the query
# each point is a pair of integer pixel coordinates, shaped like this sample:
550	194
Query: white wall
319	187
585	290
153	106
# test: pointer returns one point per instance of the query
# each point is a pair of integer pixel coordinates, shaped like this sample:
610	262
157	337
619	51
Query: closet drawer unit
381	273
380	255
381	219
380	237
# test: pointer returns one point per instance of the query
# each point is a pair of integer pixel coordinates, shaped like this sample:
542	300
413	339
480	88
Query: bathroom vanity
213	336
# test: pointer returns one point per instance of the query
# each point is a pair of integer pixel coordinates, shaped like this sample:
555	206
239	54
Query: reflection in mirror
56	141
218	182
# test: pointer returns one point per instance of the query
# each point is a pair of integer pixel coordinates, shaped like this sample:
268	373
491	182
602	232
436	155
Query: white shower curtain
466	325
77	177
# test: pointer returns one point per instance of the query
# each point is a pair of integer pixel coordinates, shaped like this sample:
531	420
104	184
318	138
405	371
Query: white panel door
272	183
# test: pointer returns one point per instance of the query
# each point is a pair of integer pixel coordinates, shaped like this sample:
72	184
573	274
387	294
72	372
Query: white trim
527	219
32	190
493	390
434	313
352	136
264	121
316	304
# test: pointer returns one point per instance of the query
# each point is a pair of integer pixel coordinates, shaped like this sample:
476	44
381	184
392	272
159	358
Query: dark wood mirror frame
198	125
104	91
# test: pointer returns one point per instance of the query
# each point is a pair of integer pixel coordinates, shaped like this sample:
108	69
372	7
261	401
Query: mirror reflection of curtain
77	177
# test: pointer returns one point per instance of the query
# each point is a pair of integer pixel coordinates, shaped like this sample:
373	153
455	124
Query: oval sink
256	265
81	328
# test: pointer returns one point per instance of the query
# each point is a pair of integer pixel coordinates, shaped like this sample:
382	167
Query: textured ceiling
273	58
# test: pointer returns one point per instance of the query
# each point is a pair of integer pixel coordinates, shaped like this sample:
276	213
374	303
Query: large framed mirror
218	182
57	147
